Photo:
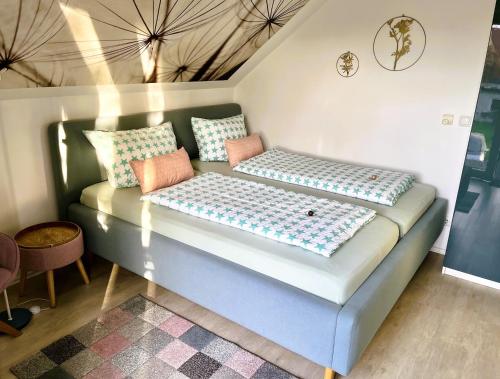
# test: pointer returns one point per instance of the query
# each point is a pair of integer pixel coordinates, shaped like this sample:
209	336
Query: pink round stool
49	246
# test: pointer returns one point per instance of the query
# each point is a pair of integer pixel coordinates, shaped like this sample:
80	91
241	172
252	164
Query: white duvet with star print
367	183
267	211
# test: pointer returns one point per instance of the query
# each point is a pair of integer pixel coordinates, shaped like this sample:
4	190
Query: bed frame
331	335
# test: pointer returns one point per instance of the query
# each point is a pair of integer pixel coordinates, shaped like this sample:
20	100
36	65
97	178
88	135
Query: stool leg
22	281
82	271
51	288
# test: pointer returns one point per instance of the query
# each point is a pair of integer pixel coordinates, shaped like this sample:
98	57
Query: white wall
296	99
26	189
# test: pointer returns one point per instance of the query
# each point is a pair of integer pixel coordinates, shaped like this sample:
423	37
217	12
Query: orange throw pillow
244	148
163	171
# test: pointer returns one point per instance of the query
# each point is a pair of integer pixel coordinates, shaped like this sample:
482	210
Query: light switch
447	119
465	121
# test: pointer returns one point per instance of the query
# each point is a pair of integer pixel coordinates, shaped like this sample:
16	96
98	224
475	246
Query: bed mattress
405	213
334	279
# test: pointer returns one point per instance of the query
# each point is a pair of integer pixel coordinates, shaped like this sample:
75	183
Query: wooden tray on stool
48	234
49	246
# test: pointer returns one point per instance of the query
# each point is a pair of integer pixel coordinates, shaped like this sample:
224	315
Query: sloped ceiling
59	43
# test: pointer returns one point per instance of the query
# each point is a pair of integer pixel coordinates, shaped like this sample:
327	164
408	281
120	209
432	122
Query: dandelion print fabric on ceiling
55	43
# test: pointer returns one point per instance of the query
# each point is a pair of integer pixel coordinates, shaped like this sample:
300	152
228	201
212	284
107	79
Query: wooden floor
441	327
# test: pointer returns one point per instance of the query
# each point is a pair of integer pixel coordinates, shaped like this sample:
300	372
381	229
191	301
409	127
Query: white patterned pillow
116	149
211	134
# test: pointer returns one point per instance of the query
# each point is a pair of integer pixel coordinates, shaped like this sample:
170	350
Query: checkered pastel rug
141	339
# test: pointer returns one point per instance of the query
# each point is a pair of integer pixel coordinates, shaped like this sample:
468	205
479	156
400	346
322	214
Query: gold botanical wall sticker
399	43
400	32
347	64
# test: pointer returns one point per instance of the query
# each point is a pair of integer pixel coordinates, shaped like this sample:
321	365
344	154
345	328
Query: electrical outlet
447	119
465	121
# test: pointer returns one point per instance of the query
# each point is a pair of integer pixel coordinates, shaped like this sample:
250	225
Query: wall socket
447	119
465	121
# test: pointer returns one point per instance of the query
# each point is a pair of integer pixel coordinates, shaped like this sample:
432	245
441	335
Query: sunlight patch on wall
107	123
156	98
63	152
155	118
64	116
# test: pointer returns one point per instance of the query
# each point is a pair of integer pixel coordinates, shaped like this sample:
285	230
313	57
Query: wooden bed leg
151	291
329	373
111	285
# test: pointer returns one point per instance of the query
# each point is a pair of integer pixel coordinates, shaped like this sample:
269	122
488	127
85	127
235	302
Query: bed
325	309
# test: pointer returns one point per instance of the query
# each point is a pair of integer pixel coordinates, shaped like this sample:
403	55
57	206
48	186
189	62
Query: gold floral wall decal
347	64
399	43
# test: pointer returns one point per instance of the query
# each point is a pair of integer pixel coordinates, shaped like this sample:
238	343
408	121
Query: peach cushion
163	171
244	148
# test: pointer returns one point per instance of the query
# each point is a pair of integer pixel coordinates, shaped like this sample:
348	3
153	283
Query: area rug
141	339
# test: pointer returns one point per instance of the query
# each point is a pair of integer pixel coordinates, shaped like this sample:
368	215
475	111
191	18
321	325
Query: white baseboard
471	278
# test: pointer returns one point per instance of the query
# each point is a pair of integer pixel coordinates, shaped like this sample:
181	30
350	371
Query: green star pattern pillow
211	134
117	148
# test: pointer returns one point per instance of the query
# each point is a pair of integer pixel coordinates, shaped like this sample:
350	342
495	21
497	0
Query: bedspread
315	224
367	183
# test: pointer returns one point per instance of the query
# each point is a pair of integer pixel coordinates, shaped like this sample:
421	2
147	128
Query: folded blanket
315	224
371	184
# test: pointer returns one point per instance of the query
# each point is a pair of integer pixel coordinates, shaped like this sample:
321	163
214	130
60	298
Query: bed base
327	333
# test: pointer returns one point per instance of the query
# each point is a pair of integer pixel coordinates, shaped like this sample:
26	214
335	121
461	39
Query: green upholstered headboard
74	160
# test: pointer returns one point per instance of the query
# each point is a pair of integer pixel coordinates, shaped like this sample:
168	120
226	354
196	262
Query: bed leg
329	373
111	286
151	291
